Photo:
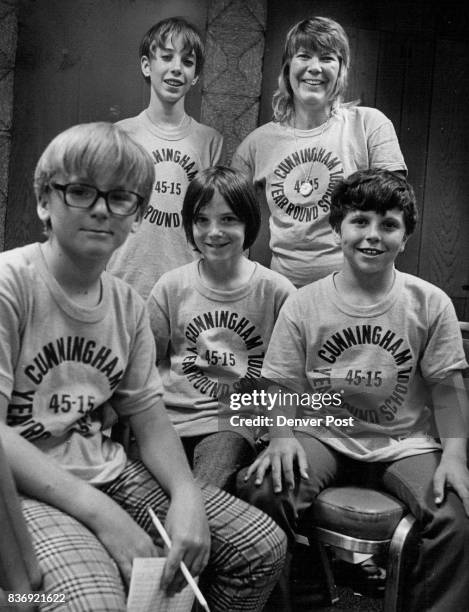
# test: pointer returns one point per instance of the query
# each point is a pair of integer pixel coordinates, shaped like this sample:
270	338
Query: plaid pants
247	549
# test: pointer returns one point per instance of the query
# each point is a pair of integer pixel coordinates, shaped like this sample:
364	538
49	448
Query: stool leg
331	586
395	559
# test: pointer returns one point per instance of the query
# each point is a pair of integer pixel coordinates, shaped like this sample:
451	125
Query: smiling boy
171	60
75	339
390	344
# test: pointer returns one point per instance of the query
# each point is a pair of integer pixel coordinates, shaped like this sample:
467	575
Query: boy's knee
262	496
276	549
457	525
72	560
279	506
447	526
268	544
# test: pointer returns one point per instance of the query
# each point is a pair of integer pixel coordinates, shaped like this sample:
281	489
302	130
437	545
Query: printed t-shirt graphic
160	244
208	339
279	159
71	361
381	359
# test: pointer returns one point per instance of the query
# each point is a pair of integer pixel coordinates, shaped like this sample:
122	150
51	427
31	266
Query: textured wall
232	76
233	71
8	33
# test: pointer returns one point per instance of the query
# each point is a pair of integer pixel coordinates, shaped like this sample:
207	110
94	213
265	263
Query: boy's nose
100	207
372	233
176	64
215	229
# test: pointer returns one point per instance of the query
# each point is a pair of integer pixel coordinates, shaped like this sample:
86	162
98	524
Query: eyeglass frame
99	194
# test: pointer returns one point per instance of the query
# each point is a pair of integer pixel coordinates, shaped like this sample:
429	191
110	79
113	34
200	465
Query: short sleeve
13	304
284	289
242	160
444	351
383	146
285	360
158	309
141	384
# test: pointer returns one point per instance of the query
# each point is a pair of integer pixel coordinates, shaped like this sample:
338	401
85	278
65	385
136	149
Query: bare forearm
39	476
186	522
162	452
450	405
456	447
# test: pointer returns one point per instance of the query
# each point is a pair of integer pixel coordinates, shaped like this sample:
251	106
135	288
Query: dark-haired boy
390	344
171	60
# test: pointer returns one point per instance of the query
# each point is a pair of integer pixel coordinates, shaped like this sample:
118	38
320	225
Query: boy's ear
337	236
136	222
42	207
145	66
404	242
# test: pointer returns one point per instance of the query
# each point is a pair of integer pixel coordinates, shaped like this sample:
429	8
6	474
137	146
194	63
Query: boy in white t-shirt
381	354
171	58
73	339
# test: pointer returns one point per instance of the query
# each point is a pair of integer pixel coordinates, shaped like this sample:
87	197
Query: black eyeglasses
118	201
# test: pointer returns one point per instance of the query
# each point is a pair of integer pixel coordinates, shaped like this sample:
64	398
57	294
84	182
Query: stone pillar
8	36
232	76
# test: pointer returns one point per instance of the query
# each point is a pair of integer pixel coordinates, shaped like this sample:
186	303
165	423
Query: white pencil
186	573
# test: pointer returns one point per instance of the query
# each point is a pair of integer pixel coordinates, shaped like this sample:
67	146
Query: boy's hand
186	522
187	527
280	456
450	406
124	540
452	472
38	475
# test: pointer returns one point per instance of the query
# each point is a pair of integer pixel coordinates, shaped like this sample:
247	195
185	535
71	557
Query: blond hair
317	34
90	149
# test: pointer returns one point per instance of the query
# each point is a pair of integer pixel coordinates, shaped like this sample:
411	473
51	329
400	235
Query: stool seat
358	512
361	520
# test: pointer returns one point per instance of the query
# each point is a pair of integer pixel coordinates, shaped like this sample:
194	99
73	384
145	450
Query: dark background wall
77	61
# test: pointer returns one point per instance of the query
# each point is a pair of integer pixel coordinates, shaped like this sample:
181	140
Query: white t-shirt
380	359
208	339
279	158
60	363
160	244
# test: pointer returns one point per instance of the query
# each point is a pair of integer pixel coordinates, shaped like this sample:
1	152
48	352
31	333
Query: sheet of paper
145	594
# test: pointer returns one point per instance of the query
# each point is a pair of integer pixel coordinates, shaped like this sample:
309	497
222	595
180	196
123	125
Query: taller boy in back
388	345
171	57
